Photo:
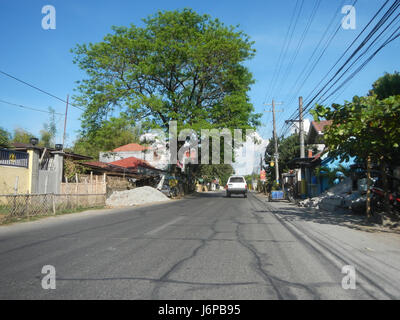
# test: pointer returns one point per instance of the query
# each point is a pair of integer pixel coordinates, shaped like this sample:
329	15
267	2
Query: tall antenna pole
65	121
276	155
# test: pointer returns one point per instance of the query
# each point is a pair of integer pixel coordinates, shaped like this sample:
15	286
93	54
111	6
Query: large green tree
113	133
288	148
211	172
386	86
5	137
179	66
22	136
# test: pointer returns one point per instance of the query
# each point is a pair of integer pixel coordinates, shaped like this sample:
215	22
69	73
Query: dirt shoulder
353	221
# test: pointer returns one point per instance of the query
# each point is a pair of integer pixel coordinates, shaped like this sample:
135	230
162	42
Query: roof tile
131	147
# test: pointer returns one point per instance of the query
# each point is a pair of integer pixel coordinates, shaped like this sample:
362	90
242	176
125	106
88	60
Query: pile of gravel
337	198
135	197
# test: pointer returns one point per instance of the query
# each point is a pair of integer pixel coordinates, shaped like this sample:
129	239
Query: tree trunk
385	185
368	203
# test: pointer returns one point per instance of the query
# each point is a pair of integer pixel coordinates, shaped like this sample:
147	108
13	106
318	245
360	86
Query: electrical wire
41	90
380	23
30	108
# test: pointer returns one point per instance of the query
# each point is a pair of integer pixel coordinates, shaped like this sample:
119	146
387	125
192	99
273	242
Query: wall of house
108	157
8	178
32	179
49	181
160	161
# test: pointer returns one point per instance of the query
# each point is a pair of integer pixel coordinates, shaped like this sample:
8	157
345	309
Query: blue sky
43	58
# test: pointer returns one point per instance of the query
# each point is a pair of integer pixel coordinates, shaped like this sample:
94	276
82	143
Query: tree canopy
386	86
22	136
367	128
364	127
180	66
288	148
113	133
5	137
210	172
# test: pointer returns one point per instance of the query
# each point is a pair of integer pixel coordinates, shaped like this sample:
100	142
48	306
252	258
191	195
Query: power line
393	37
36	88
283	52
380	23
310	63
287	48
327	44
313	63
374	30
301	41
353	42
299	45
283	48
30	108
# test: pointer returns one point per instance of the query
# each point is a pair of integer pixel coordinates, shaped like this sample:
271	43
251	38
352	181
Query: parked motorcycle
378	200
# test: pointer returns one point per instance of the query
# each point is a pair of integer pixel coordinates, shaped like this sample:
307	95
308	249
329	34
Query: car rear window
236	179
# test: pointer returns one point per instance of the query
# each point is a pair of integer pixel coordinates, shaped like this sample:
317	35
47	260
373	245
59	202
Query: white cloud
248	156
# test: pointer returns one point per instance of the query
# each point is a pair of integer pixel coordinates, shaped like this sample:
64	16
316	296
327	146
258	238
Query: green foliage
213	171
289	149
71	168
367	128
22	136
386	86
364	127
252	177
5	138
112	134
331	172
49	131
275	186
180	66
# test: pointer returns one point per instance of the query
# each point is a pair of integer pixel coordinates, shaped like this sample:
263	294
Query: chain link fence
29	205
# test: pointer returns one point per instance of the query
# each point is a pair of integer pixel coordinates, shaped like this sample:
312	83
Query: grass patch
3	210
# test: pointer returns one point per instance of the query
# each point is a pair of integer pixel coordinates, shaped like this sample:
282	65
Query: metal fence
29	205
14	158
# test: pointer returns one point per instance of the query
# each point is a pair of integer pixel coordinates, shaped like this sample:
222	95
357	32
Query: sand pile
135	197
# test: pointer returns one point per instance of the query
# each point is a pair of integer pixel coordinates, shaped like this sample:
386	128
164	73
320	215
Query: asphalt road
203	247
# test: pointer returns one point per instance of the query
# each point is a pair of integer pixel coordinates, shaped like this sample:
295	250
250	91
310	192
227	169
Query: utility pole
65	121
302	148
301	127
301	173
276	155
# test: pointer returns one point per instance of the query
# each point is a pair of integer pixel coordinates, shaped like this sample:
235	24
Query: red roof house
132	163
131	147
316	133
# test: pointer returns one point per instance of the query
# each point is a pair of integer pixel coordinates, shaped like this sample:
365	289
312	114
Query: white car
236	185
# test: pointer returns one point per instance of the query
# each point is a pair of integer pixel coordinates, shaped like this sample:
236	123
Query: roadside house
31	169
311	184
153	156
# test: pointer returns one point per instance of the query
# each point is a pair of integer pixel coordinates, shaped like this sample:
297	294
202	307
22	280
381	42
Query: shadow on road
290	212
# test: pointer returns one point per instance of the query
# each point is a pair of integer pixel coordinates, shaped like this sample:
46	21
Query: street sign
263	176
